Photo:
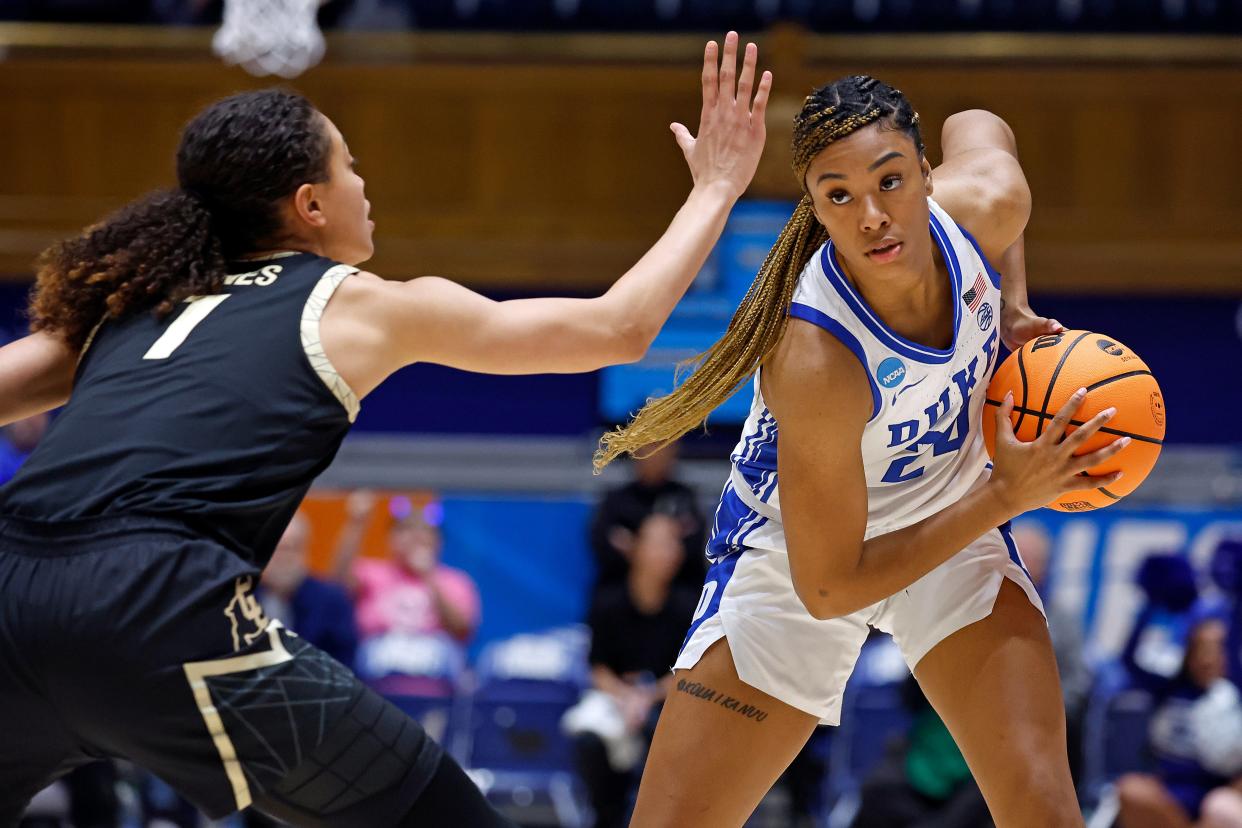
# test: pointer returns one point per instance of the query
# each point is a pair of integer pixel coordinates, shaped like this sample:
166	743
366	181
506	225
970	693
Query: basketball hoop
270	37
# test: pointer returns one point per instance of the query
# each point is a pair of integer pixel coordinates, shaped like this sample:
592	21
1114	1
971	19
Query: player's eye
890	182
839	197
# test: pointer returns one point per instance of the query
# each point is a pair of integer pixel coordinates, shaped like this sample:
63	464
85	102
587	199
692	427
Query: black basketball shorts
137	638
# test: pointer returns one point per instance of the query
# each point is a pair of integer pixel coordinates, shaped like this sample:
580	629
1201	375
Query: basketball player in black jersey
213	344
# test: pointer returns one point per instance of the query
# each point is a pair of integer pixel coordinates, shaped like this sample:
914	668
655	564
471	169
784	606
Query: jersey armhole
312	344
817	317
993	274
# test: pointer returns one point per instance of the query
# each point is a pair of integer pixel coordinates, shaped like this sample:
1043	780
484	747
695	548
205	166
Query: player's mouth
885	252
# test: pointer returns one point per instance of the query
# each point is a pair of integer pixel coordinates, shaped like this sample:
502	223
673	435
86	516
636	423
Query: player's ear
307	206
927	176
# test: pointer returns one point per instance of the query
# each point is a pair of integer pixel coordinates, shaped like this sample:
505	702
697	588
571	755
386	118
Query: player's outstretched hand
1030	475
731	129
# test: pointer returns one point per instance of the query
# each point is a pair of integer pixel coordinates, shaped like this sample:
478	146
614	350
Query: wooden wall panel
536	162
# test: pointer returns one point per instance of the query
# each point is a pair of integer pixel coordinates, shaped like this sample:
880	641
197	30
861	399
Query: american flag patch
974	297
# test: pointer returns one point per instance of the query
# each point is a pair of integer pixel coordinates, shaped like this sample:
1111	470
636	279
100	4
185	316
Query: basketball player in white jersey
860	494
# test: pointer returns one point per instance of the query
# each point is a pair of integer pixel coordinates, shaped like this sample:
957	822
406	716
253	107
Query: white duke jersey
922	449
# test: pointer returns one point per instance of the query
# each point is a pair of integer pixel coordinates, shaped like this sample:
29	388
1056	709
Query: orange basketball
1045	372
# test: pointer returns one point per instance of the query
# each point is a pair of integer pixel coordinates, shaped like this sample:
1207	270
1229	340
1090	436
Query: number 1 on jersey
196	311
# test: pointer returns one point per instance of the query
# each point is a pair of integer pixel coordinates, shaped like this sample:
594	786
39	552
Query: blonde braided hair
828	114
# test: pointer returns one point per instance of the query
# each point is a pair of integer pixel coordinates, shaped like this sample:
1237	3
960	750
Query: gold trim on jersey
312	312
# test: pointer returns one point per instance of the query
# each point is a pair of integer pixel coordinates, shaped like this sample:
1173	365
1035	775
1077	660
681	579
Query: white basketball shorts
780	648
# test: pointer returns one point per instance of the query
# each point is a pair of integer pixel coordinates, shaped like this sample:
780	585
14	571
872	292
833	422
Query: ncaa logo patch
891	372
985	317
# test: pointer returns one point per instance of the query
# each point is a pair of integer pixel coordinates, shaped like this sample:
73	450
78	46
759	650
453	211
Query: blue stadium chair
421	675
1115	732
515	748
443	14
823	15
873	715
710	15
626	15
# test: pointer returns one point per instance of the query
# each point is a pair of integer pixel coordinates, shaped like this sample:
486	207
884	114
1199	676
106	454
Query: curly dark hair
237	159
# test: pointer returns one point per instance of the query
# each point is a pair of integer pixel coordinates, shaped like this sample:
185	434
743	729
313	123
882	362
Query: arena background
522	149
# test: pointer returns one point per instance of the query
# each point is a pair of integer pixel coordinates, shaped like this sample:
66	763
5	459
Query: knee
1139	792
1222	808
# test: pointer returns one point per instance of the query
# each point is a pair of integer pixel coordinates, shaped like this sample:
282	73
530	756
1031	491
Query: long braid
829	114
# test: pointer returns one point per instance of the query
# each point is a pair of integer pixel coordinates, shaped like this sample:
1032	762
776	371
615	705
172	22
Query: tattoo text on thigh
701	691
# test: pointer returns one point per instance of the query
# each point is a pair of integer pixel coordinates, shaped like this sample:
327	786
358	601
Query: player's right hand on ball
1027	476
731	128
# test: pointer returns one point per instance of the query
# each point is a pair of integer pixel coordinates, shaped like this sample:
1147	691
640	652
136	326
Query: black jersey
220	415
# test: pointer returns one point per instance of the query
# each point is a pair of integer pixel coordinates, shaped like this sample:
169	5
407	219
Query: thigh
32	752
282	726
719	746
775	645
995	685
35	746
182	674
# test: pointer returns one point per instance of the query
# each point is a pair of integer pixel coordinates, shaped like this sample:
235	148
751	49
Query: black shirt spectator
623	510
637	627
631	641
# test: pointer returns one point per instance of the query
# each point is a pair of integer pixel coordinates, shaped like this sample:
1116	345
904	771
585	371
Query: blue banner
1095	559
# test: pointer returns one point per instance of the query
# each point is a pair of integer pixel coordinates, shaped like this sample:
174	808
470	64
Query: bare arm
981	184
372	328
358	508
36	375
821	399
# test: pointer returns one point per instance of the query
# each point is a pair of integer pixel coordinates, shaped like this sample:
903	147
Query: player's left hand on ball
1027	475
1019	324
731	127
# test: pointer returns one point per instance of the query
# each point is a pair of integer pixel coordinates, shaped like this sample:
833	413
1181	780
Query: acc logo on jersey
891	372
985	317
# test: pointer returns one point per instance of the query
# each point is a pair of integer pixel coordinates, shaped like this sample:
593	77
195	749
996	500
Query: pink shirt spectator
391	598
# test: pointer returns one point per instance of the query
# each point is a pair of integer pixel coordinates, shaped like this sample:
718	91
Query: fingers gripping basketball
1045	372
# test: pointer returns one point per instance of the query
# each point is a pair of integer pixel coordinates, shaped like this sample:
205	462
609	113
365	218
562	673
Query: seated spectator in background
923	782
1065	629
414	614
317	610
20	438
1196	727
622	510
1226	568
637	628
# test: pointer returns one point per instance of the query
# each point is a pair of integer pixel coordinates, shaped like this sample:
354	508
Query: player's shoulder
986	194
813	364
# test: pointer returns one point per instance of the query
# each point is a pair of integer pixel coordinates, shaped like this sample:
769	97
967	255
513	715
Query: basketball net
270	37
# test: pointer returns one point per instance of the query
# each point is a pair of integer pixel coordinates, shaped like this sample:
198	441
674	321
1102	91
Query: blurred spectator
636	631
318	611
622	510
924	781
1065	629
20	438
414	614
1196	729
1226	569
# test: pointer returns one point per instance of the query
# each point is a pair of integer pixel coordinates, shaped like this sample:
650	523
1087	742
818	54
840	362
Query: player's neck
271	253
907	299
